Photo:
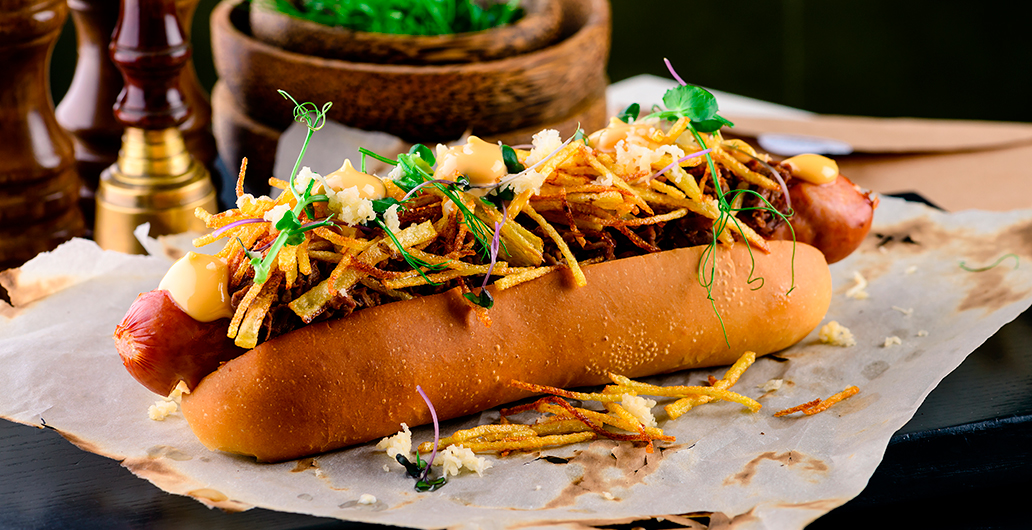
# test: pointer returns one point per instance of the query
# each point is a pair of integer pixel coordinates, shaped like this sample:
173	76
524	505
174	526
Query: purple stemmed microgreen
235	224
419	469
484	299
678	162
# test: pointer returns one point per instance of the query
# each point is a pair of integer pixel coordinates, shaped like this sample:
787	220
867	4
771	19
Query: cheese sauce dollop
815	169
480	161
369	186
200	285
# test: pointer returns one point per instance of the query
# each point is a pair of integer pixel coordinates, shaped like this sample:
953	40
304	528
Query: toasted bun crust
352	380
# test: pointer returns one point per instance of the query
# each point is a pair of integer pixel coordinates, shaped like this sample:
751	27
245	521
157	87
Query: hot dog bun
348	381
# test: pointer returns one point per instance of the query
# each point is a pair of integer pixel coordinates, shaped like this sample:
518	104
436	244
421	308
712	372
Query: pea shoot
290	226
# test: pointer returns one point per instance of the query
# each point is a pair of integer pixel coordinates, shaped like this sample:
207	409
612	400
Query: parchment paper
59	366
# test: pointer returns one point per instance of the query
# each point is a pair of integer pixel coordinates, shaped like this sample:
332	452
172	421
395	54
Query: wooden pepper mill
155	178
38	180
86	110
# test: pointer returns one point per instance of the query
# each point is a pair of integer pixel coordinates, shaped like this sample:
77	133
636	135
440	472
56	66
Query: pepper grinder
38	181
155	178
86	109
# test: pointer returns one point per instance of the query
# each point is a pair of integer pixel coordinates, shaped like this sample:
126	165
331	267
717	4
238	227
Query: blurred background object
38	181
155	179
870	58
85	110
421	101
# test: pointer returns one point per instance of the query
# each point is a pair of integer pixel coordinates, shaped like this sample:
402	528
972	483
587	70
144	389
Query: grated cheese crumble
772	385
455	457
889	341
352	208
544	142
400	443
161	410
168	405
836	334
858	291
640	408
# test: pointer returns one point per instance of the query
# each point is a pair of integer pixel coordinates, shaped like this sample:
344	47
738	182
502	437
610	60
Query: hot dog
618	253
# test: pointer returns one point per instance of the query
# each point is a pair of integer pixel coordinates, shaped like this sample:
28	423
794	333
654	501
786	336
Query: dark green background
948	59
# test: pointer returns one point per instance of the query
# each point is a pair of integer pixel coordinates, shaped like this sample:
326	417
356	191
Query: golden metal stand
155	180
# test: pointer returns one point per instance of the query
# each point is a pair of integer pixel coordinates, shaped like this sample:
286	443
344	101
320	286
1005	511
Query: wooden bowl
539	27
239	136
419	103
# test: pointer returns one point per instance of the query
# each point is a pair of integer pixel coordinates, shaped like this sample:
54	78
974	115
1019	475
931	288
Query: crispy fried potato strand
798	408
544	389
488	432
743	172
247	336
287	262
515	279
578	275
633	422
240	177
818	405
679	407
683	391
530	443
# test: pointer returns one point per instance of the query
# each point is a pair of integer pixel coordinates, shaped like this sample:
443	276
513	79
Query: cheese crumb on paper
836	334
889	341
772	385
922	333
905	311
168	405
161	410
455	457
858	291
400	443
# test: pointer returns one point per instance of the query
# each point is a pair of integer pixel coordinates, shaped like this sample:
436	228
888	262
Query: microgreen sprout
413	261
420	470
993	265
235	224
484	299
290	226
417	172
630	113
512	164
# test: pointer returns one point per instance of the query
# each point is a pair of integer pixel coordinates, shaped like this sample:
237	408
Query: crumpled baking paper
922	316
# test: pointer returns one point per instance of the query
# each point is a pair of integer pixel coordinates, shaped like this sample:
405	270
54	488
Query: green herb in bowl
405	17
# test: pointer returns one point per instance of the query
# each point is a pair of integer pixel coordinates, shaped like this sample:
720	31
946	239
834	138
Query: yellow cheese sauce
369	187
480	161
199	284
816	169
606	139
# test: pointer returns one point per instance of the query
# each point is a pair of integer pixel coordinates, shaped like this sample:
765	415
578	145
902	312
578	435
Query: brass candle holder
155	179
